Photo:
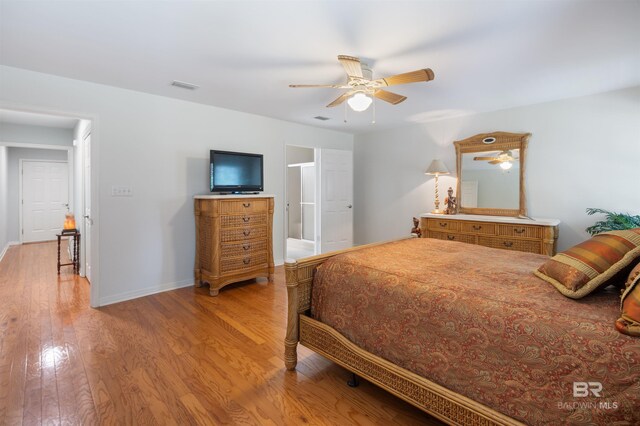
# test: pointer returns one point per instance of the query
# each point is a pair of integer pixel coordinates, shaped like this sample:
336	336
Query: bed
465	333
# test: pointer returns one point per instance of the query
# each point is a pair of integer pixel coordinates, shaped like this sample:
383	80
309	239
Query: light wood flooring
179	357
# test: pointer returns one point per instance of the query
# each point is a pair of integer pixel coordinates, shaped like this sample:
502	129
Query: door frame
285	227
21	186
94	296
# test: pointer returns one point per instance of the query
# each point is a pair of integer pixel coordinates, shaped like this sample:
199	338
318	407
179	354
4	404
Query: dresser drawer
483	228
521	231
443	225
244	248
243	234
248	205
228	264
469	239
235	221
511	244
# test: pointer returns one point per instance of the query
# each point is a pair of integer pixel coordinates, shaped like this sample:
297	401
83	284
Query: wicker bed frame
436	400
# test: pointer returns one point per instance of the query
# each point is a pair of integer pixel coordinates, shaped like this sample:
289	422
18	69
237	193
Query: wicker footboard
430	397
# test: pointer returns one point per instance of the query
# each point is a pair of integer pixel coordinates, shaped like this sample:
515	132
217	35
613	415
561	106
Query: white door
87	205
336	199
45	197
469	189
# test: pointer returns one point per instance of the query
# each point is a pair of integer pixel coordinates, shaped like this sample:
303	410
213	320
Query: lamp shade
437	167
359	102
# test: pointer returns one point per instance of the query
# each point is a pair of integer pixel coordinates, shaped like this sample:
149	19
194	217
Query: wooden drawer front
511	244
478	228
228	264
245	248
470	239
236	221
443	225
249	205
522	231
243	234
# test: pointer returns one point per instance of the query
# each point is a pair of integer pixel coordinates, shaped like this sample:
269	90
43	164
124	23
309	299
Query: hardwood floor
179	357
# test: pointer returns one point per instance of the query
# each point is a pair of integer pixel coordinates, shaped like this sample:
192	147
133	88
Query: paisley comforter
477	321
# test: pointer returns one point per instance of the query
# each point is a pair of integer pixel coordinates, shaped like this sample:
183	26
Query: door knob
349	206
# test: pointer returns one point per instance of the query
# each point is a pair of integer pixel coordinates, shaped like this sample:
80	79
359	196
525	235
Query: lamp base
437	211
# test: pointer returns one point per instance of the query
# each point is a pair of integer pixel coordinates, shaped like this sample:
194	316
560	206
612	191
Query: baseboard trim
9	244
135	294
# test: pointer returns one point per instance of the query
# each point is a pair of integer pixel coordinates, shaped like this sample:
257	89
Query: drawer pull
508	243
519	230
443	224
246	246
246	219
451	237
477	227
246	260
246	205
246	232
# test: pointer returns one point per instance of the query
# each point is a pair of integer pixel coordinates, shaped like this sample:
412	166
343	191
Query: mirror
491	174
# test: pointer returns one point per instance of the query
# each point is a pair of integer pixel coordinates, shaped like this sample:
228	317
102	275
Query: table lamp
437	168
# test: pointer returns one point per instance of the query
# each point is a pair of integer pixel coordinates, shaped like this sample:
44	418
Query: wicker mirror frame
503	141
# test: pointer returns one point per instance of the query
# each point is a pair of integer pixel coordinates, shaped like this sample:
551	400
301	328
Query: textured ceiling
486	55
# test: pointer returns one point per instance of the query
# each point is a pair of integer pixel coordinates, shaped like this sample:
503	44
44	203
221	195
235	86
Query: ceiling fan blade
332	86
390	97
340	99
409	77
351	65
485	158
496	162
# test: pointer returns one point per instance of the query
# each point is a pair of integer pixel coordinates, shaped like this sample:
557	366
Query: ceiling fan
361	87
505	159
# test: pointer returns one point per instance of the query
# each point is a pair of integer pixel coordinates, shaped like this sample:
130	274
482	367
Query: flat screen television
236	172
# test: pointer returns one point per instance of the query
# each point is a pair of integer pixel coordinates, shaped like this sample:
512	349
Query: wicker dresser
233	239
529	235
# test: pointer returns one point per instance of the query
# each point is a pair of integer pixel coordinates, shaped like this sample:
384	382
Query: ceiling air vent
184	85
321	118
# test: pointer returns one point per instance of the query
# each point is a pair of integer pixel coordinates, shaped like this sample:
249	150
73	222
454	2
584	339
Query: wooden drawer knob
519	230
451	237
246	205
477	227
246	260
443	224
246	247
246	232
246	219
508	243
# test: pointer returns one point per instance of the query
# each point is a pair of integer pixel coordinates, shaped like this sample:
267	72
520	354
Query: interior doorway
300	202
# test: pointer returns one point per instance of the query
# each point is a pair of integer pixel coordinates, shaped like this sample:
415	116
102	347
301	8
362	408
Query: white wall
21	133
13	182
4	239
584	152
159	147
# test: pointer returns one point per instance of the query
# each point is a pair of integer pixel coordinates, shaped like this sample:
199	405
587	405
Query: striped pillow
592	264
629	321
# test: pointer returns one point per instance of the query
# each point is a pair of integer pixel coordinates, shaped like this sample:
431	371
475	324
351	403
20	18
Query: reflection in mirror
491	179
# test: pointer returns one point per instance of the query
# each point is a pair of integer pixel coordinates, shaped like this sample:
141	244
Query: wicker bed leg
354	382
290	354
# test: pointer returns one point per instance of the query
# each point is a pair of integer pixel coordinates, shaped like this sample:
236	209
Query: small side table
75	261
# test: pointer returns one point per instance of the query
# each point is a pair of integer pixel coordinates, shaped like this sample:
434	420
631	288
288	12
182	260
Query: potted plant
612	222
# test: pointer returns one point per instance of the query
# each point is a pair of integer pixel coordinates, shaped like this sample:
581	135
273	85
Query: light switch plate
121	191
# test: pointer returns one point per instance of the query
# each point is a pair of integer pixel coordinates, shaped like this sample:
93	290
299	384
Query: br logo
583	389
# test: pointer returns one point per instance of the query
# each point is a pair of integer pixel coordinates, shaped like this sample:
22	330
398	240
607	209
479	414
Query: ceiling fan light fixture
506	165
359	102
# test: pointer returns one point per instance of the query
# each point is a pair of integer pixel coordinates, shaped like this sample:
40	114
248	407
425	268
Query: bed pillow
595	263
629	321
633	275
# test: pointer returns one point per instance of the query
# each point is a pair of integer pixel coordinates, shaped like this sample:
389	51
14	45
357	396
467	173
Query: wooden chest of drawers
233	239
533	236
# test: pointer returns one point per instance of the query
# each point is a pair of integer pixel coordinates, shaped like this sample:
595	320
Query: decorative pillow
629	321
633	275
592	264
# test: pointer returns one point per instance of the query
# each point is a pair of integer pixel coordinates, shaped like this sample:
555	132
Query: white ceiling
486	55
33	119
